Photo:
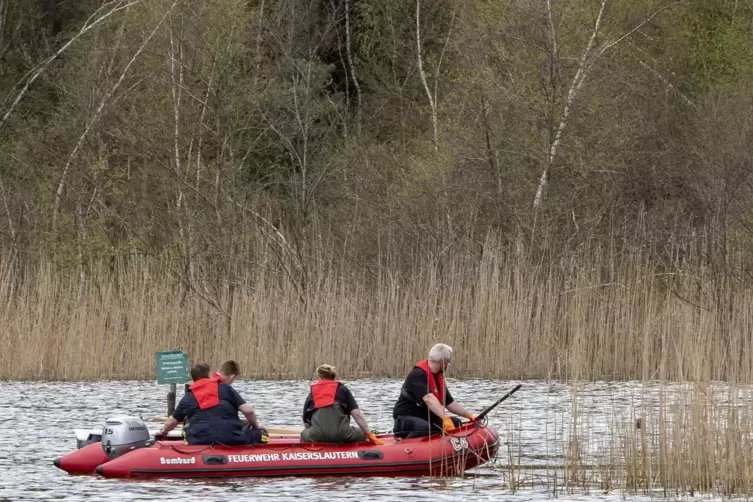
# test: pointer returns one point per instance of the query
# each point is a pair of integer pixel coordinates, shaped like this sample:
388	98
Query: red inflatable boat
125	449
449	454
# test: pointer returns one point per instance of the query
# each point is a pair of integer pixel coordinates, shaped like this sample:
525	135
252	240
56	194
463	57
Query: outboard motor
123	434
86	437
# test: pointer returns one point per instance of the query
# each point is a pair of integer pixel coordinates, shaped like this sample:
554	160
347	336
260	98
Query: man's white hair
440	352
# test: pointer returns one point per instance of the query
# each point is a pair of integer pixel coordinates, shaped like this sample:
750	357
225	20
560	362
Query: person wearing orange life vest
212	408
327	412
424	397
227	373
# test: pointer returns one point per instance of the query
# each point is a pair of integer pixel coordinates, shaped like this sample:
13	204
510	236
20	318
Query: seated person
327	412
420	409
212	408
228	372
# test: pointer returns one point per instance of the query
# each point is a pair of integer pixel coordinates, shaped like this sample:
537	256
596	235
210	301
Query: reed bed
697	440
655	438
587	316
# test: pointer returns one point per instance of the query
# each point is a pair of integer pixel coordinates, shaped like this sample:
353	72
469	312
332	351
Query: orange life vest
207	392
436	384
323	392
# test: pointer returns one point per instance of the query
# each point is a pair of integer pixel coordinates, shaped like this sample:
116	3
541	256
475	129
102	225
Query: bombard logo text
177	461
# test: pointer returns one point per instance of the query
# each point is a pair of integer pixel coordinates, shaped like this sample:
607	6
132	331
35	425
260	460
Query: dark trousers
232	438
331	425
407	427
256	436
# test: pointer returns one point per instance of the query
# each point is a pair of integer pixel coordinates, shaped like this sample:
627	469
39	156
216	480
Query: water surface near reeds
559	440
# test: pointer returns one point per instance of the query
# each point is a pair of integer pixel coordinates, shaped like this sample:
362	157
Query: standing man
424	397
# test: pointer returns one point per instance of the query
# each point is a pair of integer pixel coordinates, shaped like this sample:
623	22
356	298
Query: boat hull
82	461
447	455
86	459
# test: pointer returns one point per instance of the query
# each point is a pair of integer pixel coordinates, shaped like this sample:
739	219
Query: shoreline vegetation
560	190
588	316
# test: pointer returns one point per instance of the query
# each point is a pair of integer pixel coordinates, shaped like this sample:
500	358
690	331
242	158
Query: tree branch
637	27
97	113
33	74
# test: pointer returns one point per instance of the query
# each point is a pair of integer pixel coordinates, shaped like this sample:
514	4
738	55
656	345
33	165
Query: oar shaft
271	430
499	401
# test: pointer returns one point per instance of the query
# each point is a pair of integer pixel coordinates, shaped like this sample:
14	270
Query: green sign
172	366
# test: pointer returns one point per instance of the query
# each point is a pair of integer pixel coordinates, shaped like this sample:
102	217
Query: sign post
172	368
171	400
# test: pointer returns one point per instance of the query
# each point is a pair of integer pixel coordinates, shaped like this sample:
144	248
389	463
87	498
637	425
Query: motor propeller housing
123	434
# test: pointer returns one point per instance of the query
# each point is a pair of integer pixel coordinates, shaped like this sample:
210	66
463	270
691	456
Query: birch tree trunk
422	74
587	60
349	54
575	86
258	41
3	17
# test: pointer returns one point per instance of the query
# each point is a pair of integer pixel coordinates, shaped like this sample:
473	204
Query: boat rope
206	447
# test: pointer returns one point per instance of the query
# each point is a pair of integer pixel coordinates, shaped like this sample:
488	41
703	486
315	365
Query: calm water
37	422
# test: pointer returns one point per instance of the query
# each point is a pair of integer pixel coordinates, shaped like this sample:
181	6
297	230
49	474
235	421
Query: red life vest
323	392
217	377
436	381
207	392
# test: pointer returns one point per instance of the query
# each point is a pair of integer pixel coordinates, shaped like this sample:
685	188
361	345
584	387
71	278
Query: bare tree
589	56
177	84
96	19
432	96
103	102
258	40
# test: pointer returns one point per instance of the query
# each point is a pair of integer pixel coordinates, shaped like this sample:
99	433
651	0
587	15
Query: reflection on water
37	421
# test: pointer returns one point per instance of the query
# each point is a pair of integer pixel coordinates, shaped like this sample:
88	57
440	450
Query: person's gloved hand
264	435
448	424
471	417
375	440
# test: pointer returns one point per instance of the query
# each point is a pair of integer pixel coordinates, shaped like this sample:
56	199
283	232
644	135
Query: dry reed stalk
680	438
692	439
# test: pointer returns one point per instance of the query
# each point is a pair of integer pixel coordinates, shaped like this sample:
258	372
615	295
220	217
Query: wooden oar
271	430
